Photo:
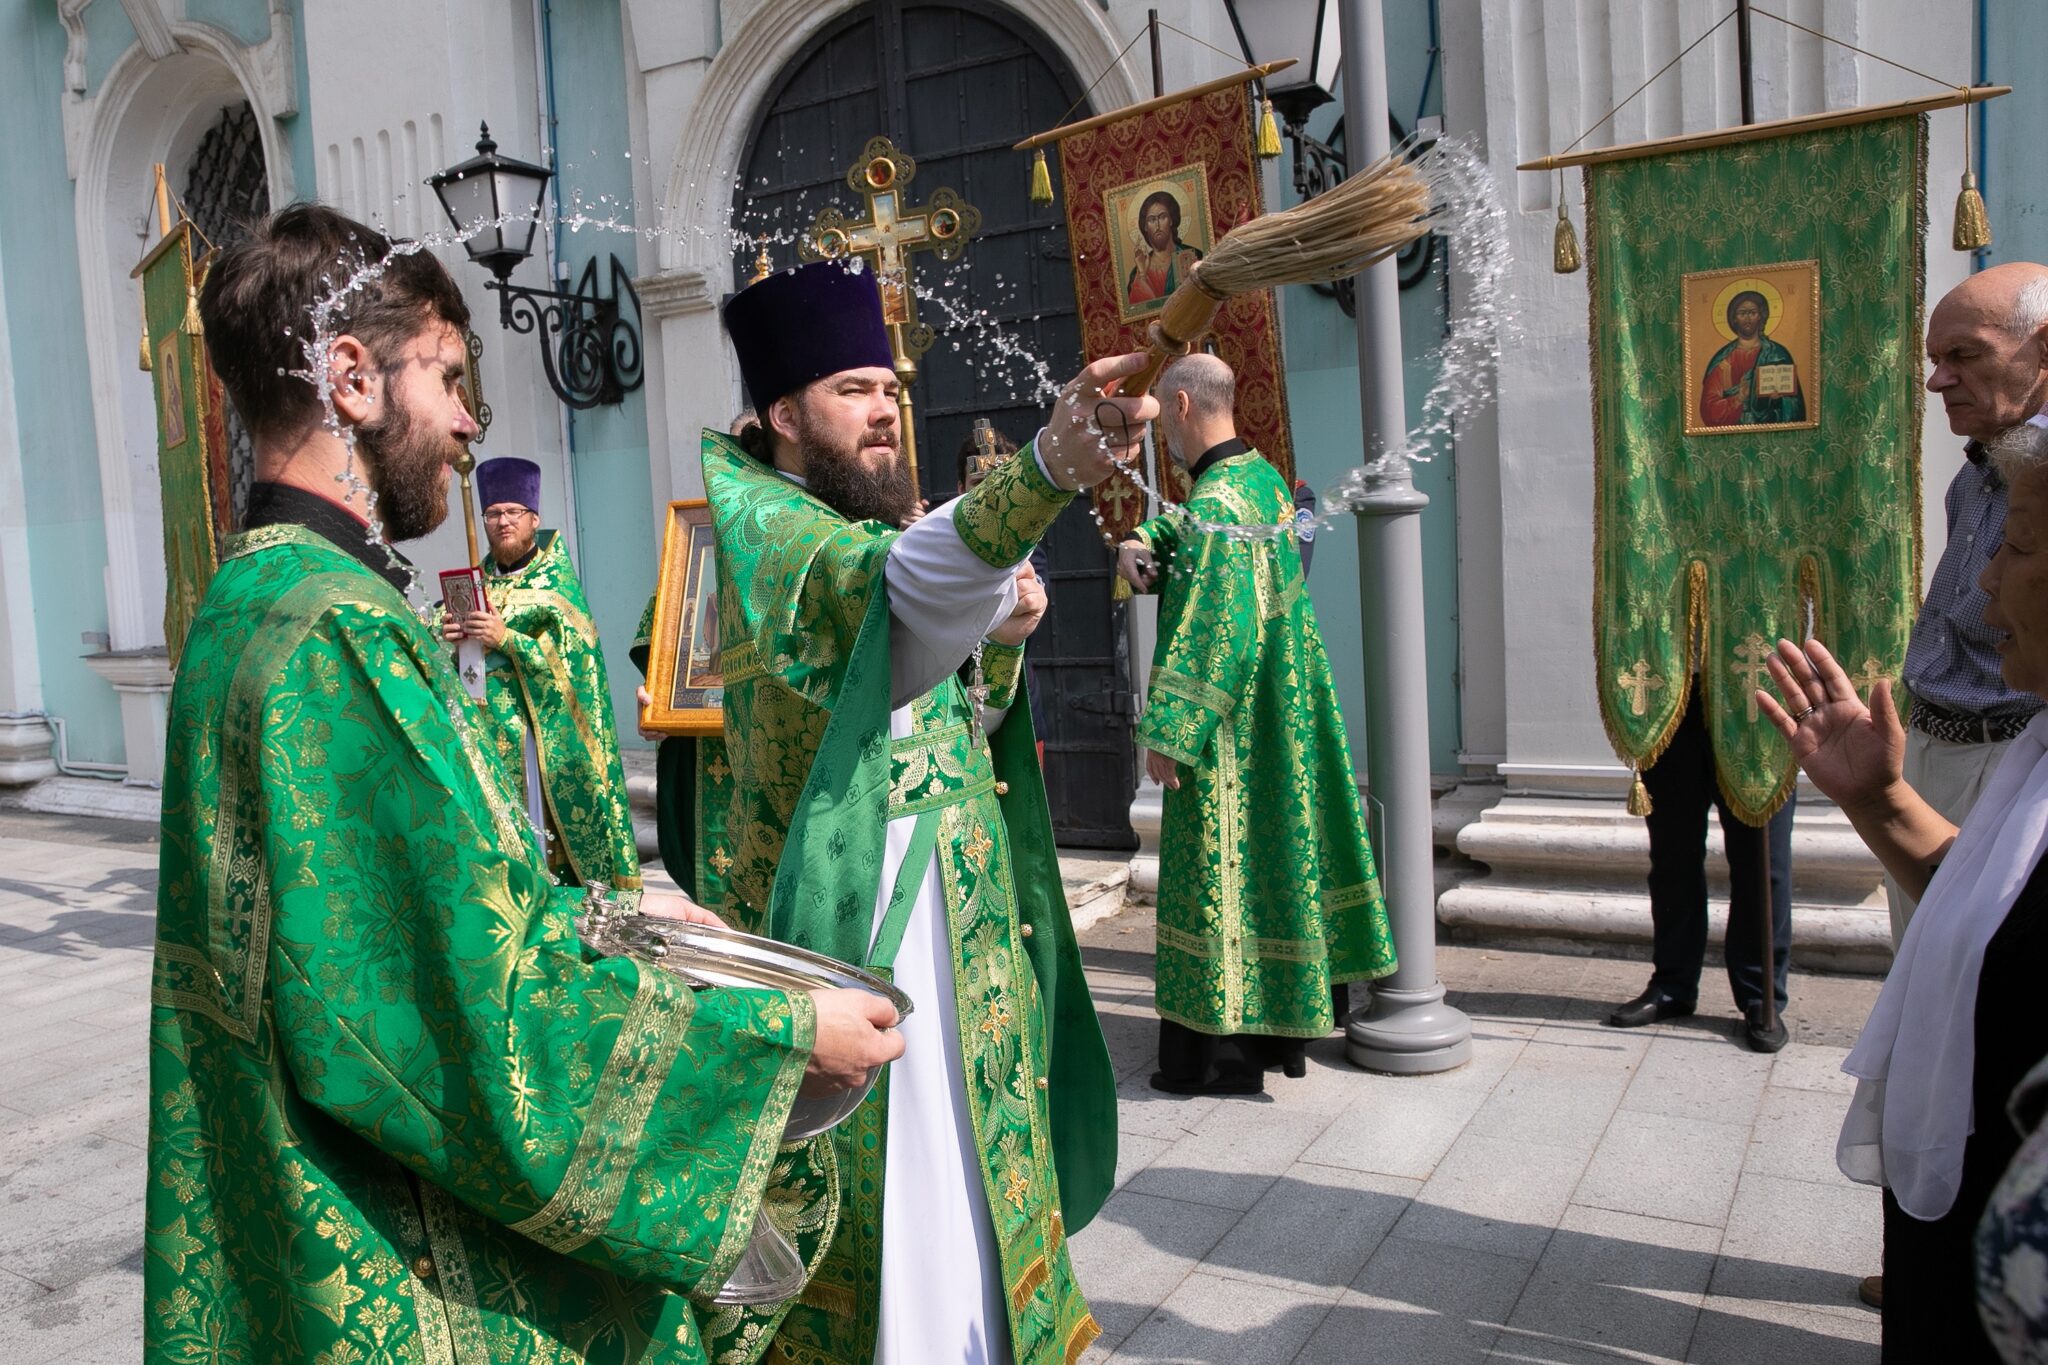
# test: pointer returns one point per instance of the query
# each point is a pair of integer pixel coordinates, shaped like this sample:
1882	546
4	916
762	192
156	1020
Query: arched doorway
954	87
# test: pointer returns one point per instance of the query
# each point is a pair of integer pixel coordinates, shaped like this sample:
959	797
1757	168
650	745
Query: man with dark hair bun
395	1113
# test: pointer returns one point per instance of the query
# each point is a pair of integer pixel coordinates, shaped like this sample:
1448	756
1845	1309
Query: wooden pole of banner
1722	137
1767	908
1067	130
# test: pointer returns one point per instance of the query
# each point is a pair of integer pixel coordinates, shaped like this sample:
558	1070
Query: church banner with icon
1147	196
1756	316
192	440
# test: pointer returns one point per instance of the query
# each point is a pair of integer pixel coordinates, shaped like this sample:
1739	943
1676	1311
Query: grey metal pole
1408	1028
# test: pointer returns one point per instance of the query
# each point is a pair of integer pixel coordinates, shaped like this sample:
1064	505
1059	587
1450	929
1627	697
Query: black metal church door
954	88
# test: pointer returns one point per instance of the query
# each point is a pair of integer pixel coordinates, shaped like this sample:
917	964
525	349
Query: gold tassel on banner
1119	589
1638	794
1564	254
1973	224
1269	130
191	326
1041	178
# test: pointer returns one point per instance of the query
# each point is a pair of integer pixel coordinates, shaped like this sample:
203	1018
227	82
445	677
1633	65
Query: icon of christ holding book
1753	380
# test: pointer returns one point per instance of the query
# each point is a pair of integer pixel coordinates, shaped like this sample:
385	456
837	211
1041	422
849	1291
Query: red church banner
1147	196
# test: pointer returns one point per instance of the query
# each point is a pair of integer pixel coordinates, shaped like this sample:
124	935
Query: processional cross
1751	654
891	231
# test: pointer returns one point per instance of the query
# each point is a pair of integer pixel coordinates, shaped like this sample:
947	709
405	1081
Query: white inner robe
942	1283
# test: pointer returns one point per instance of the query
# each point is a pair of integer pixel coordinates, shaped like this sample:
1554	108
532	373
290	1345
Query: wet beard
405	461
839	480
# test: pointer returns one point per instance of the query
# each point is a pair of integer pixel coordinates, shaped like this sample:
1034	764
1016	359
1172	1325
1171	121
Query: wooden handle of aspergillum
1186	316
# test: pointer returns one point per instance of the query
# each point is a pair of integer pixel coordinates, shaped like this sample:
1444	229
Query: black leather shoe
1648	1008
1759	1038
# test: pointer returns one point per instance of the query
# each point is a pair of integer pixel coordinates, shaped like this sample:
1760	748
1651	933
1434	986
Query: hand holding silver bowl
710	957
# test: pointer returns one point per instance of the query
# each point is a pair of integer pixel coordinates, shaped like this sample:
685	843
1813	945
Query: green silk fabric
804	605
547	677
1268	894
1710	547
397	1113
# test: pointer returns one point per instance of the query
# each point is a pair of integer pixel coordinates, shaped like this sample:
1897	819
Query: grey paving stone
1313	1231
1744	1332
1495	1194
101	1241
1229	1160
1147	1112
1136	1252
1612	1285
1659	1166
1209	1318
1420	1303
1812	1066
1800	1243
1134	1152
16	1291
1794	1135
93	1170
1560	1094
1688	1075
98	1314
1399	1130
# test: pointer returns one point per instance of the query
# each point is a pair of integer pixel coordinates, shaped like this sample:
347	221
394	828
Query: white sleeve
943	601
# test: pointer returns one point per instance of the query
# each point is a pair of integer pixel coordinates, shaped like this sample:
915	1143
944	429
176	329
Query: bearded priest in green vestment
397	1112
884	812
547	703
1267	892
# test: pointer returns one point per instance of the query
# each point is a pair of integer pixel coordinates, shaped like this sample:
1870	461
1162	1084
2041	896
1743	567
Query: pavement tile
1420	1303
80	1251
1795	1135
1800	1243
100	1315
1812	1066
1612	1285
1209	1318
1403	1129
1690	1075
1313	1230
1744	1332
1151	1113
94	1170
16	1291
1495	1194
1134	1152
1558	1093
1136	1252
1659	1166
1232	1158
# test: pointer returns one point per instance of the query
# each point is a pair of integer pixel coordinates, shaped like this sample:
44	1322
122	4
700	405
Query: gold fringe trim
828	1298
1034	1275
1082	1337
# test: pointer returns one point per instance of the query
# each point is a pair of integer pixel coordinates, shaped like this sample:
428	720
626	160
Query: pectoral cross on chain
1750	656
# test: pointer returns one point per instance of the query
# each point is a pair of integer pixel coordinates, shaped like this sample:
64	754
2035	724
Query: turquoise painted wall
608	461
1322	384
60	460
2014	190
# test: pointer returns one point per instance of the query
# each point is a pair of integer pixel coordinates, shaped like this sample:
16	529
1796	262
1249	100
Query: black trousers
1682	786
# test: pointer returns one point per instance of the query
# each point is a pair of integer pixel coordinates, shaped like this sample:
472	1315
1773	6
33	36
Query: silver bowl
708	958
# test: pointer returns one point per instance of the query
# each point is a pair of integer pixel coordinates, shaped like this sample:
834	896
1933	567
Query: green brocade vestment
547	678
817	779
1267	890
397	1113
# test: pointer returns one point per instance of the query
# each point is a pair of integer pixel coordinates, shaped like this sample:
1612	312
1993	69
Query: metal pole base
1409	1033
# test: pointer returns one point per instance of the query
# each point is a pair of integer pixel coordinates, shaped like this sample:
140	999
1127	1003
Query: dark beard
837	478
404	464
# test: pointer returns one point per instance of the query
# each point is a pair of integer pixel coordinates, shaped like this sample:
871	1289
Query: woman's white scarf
1912	1110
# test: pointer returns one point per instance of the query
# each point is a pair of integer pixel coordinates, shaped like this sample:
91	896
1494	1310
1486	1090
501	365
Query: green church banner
1756	321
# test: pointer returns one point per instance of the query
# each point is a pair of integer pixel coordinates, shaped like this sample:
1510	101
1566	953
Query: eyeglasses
512	515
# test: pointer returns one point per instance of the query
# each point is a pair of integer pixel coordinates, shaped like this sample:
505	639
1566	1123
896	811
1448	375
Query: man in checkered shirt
1988	342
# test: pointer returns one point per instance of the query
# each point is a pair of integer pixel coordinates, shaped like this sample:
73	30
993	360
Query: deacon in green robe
1268	895
547	701
885	812
397	1112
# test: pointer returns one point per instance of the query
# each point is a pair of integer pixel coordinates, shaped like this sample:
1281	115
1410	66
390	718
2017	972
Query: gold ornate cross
1117	491
1639	682
1873	673
1751	654
884	240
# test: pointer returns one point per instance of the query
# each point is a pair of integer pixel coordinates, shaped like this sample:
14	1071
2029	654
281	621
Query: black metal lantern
588	345
1303	29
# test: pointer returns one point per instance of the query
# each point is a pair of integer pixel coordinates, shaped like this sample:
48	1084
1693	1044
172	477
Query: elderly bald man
1988	343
